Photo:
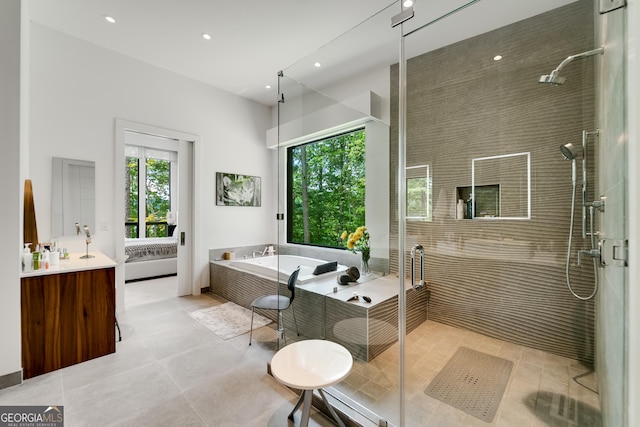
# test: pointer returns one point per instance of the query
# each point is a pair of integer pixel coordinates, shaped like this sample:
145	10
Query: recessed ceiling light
497	57
268	86
317	65
407	3
110	19
206	36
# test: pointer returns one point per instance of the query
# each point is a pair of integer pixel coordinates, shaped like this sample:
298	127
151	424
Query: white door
185	217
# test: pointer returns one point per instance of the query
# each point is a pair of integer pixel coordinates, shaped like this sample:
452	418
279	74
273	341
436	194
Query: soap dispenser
27	259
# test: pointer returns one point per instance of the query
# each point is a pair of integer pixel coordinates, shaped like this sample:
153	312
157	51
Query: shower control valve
597	204
595	253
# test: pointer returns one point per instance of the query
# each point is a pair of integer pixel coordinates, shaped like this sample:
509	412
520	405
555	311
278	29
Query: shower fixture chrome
555	79
552	78
585	204
570	152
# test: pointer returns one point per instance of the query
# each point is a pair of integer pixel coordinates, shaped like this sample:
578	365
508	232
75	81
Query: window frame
289	177
142	153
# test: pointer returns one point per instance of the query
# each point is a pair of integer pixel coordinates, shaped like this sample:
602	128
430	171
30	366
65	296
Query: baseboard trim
9	380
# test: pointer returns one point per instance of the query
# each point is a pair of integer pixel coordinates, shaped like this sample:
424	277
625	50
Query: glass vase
364	266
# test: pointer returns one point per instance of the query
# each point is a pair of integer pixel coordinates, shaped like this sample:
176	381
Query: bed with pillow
150	257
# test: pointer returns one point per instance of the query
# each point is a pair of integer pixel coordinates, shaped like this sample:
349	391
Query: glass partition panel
333	151
491	133
333	180
438	126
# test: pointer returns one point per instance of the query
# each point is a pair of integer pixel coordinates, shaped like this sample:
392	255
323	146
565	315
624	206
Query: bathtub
267	267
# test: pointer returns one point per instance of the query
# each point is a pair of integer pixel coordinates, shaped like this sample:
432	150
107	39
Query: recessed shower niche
500	188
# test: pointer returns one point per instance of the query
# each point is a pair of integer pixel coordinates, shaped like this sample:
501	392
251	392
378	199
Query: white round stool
311	365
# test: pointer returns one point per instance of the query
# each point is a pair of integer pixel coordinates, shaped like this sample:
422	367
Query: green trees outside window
326	182
156	178
133	199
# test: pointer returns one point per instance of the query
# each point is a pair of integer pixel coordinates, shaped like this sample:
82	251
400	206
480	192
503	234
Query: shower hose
595	267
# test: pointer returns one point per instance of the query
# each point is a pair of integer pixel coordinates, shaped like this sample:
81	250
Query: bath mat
229	320
473	382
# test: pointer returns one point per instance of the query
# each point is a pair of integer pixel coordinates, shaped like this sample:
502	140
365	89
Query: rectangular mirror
501	186
72	196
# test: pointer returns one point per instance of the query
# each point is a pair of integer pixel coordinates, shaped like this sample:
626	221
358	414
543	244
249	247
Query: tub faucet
253	254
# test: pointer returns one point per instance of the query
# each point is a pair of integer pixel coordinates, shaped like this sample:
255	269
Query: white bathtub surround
343	256
323	308
267	267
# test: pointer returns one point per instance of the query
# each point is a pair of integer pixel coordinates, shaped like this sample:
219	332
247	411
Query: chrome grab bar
421	283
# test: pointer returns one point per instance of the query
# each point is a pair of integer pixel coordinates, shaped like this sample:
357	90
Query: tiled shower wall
503	277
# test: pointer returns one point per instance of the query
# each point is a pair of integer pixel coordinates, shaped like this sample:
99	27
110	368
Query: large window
148	182
326	189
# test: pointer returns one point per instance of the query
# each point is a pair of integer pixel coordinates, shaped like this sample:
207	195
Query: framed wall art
238	190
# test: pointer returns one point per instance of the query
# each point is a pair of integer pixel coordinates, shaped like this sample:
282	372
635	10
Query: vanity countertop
75	263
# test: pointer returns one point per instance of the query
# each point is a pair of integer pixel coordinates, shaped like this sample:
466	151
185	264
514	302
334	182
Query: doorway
158	223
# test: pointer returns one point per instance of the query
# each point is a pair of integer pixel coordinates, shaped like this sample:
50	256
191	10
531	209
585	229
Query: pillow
325	268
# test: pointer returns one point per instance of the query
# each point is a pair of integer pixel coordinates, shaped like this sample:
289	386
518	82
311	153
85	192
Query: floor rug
229	320
473	382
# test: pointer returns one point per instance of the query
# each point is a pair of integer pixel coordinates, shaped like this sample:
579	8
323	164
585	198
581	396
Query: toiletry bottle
36	260
470	208
45	259
54	258
27	259
460	209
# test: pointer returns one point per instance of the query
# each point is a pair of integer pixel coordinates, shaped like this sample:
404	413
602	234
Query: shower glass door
488	199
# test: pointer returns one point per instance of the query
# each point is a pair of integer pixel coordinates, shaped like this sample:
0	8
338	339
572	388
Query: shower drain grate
473	382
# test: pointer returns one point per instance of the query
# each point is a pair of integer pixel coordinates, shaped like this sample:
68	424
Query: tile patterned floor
541	391
171	371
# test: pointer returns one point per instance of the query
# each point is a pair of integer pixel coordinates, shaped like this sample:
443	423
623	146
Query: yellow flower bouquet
358	241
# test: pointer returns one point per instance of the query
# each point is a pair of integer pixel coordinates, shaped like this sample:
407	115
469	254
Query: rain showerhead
552	78
555	79
569	151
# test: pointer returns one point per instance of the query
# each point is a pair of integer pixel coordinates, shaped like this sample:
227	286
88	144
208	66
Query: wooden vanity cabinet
67	318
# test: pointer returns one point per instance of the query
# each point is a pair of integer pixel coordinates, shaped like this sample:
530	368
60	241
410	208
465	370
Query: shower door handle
417	249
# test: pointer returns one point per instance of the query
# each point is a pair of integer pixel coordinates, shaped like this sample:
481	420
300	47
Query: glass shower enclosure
467	205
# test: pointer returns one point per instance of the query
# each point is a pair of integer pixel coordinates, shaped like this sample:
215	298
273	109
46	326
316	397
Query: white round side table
311	365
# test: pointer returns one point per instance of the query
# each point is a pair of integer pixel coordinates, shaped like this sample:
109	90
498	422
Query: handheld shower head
569	151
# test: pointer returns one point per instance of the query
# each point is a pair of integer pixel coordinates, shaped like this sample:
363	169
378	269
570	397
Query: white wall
79	89
10	218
